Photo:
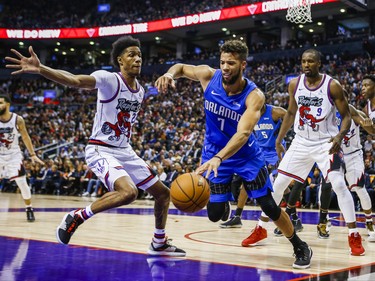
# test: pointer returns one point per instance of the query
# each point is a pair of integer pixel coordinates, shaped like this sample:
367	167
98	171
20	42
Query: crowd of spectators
57	14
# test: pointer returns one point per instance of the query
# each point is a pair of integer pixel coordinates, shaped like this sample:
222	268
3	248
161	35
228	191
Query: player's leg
16	171
333	163
26	195
294	196
120	185
235	221
325	200
356	180
260	188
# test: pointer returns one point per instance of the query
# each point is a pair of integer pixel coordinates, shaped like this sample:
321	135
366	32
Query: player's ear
119	60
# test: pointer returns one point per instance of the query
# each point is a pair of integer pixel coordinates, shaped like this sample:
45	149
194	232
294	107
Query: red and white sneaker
355	244
257	235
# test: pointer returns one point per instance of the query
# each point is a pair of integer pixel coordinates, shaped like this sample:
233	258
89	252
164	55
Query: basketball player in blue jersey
109	153
266	131
314	99
233	107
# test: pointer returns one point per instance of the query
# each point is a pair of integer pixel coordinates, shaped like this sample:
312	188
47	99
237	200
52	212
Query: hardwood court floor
113	246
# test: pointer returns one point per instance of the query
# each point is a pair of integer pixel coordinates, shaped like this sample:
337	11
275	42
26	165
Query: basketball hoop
299	11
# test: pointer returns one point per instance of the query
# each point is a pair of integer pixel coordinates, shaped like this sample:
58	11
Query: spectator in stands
52	181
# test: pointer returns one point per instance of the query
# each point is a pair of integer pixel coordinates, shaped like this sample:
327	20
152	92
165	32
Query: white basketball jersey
370	112
9	136
315	120
117	109
352	140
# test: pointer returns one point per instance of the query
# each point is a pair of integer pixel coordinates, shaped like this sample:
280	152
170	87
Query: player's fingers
209	170
13	60
18	54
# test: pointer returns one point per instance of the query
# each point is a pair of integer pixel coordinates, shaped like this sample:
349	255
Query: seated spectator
314	182
176	170
93	181
52	181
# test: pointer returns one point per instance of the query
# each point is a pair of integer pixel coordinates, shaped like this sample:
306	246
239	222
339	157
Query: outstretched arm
201	73
32	65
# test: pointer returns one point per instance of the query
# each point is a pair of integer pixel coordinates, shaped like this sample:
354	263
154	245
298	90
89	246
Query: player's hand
367	122
280	150
164	82
24	64
209	166
336	145
36	159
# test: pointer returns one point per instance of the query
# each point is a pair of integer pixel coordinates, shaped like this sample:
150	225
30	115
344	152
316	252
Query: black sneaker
277	232
297	225
69	224
166	250
303	255
30	214
234	222
226	212
323	233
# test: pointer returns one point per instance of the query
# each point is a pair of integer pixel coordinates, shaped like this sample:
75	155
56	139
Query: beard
2	111
232	80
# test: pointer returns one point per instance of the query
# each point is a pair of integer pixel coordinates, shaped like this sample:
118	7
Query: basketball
190	192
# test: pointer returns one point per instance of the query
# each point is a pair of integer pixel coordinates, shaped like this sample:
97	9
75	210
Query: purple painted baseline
38	261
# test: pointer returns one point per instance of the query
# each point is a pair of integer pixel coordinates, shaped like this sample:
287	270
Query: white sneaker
94	194
85	194
371	236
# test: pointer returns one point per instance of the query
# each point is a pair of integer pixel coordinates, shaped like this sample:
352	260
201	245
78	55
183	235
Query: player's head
368	86
126	55
311	62
233	54
4	103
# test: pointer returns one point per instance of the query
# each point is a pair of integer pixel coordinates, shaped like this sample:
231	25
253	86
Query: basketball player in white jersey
368	90
108	153
11	167
313	100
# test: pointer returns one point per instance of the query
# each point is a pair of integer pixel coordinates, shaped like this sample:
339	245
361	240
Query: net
299	11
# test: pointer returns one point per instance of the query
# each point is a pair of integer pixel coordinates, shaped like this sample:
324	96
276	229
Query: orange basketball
190	192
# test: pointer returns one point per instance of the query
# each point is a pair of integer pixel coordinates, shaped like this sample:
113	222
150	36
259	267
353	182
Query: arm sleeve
107	84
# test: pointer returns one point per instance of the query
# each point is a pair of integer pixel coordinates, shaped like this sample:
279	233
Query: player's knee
215	210
269	207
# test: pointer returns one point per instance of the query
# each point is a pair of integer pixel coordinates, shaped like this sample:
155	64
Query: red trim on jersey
106	180
145	181
117	91
99	142
301	180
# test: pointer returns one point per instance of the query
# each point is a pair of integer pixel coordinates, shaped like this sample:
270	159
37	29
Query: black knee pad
269	207
215	210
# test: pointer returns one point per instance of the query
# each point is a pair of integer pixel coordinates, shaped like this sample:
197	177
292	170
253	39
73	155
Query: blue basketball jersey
223	113
266	131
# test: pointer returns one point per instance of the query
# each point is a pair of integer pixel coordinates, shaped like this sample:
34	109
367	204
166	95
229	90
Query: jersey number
221	120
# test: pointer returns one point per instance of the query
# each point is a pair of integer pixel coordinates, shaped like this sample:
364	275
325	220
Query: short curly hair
370	77
119	46
235	46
